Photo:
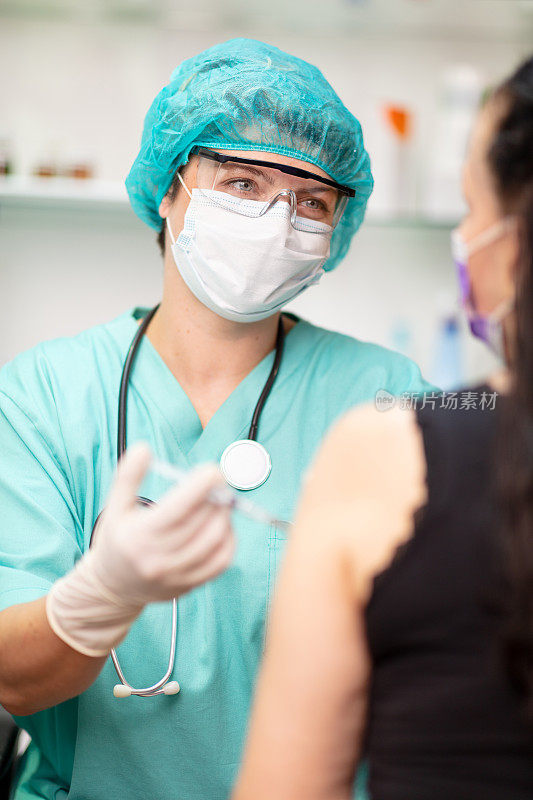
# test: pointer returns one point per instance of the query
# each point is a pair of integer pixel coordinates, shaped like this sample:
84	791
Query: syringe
222	496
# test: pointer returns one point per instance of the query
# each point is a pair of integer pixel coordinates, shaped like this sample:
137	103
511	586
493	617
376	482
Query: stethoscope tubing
158	687
124	380
263	397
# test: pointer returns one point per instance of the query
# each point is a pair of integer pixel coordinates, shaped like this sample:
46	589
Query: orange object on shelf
400	119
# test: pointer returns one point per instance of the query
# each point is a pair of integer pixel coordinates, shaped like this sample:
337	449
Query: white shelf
383	220
490	20
17	190
90	194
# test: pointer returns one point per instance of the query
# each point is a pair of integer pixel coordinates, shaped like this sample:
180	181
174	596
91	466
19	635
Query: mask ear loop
489	236
503	308
170	232
190	197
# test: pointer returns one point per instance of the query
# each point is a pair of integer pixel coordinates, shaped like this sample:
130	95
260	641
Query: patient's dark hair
510	160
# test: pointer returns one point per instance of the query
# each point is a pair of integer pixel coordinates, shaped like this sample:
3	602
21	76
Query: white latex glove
140	555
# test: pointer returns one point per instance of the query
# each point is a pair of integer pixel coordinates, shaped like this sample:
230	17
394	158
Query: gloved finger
220	559
181	500
176	535
206	541
130	472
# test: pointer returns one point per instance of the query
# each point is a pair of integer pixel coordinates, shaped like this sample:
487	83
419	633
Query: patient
402	630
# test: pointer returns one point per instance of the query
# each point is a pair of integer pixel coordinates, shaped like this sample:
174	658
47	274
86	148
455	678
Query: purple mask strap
464	281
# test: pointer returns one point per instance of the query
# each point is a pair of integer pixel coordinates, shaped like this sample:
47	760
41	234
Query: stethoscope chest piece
245	464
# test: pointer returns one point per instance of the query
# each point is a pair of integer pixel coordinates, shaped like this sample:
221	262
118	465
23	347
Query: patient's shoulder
369	451
364	486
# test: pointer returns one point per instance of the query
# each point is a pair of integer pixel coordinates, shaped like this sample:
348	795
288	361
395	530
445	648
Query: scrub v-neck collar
151	377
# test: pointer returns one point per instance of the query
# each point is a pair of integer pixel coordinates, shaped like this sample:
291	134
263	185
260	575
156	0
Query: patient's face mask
244	260
487	327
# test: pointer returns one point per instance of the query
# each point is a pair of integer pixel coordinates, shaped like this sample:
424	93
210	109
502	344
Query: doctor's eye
314	205
244	185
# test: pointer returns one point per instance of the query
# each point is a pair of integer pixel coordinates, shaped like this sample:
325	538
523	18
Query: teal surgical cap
247	95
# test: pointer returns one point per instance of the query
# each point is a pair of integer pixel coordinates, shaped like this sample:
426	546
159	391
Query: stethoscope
245	464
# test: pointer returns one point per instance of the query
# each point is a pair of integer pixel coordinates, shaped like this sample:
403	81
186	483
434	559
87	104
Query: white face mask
245	268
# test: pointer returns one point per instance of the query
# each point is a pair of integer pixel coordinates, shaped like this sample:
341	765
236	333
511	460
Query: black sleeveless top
443	720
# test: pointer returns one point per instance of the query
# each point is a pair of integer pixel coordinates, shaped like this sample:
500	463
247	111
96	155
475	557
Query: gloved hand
140	555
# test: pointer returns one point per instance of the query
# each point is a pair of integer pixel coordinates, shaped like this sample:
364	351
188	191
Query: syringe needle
222	496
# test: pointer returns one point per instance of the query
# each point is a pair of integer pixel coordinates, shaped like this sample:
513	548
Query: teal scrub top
58	431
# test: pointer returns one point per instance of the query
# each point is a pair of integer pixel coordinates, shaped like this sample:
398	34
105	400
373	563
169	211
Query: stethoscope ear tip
172	687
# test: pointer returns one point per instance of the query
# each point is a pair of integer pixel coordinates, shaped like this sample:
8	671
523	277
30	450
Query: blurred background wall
79	75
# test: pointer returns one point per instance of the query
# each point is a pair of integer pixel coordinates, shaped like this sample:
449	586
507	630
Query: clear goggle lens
231	184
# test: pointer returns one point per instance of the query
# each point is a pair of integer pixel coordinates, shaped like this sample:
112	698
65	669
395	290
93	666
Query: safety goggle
252	187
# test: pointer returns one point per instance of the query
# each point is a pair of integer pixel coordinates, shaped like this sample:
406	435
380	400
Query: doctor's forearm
37	669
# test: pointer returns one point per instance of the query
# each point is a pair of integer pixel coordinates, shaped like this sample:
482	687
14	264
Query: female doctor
255	176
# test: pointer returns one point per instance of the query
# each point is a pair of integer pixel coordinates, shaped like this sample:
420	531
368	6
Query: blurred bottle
401	337
47	164
6	162
447	369
78	161
460	94
79	168
45	169
402	183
